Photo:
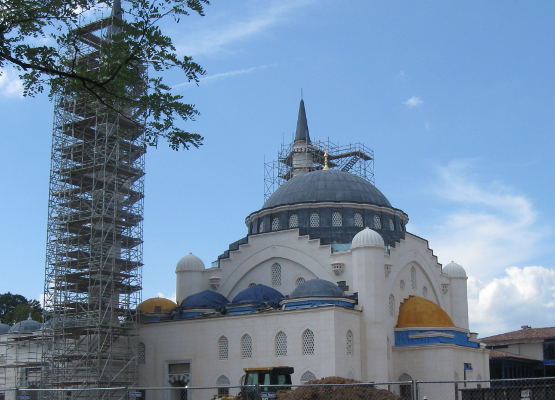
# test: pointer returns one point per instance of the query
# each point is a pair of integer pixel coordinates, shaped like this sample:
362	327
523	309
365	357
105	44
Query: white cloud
223	75
413	101
213	40
171	297
523	296
491	228
10	84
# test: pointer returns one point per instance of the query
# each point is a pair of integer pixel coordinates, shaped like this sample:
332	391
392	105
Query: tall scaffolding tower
94	243
354	158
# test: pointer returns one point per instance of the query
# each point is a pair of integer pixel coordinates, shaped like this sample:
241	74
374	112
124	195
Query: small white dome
190	261
454	269
367	238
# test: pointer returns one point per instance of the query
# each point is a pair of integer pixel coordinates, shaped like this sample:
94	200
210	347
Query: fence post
127	392
456	391
414	390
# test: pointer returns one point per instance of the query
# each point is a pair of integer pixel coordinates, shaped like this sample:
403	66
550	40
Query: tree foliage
32	31
15	308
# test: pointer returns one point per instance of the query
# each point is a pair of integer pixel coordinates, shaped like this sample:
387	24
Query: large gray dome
326	186
317	288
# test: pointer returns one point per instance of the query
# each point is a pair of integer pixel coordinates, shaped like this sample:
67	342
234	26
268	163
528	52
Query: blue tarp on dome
258	295
317	288
205	299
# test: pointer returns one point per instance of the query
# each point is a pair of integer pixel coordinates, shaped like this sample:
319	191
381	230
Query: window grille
377	222
358	220
307	376
314	220
413	277
261	226
425	292
350	346
336	219
276	275
308	343
293	221
246	346
402	285
391	224
281	344
275	224
223	349
223	381
141	353
391	305
252	284
299	281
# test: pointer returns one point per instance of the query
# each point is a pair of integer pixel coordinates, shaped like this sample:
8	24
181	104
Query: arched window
402	285
261	226
307	377
336	219
391	224
351	375
299	281
425	292
314	220
275	223
405	390
391	305
388	349
251	229
377	222
358	220
276	274
293	221
281	344
456	376
479	377
308	343
246	346
222	382
242	380
413	277
223	348
141	353
350	345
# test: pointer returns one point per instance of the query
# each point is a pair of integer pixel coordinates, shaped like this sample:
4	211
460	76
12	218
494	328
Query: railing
507	389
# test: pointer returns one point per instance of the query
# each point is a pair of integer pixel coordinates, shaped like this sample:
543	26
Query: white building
330	283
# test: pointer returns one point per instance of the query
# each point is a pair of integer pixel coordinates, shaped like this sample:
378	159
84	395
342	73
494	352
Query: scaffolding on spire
94	237
354	158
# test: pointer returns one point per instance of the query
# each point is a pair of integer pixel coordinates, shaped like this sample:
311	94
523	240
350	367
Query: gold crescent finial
326	166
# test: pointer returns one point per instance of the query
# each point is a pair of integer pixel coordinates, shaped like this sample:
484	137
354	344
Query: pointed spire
302	126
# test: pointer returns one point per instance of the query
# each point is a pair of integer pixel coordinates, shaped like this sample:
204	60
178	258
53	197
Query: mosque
327	281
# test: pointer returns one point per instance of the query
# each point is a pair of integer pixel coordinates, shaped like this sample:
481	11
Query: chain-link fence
507	389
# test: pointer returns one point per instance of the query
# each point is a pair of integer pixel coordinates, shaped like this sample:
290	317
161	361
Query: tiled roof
496	354
531	333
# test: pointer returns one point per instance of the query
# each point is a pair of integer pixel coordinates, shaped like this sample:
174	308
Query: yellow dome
419	312
151	305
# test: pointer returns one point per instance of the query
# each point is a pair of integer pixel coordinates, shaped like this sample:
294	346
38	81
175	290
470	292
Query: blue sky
457	100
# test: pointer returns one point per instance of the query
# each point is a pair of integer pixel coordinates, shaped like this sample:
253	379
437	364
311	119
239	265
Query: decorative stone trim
387	269
337	267
444	287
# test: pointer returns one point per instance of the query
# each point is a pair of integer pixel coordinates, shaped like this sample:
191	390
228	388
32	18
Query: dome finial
326	166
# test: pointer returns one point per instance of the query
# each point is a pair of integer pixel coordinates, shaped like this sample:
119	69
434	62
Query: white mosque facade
327	281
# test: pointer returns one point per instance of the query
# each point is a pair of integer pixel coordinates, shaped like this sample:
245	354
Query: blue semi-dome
26	326
317	288
4	329
326	186
258	294
205	299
